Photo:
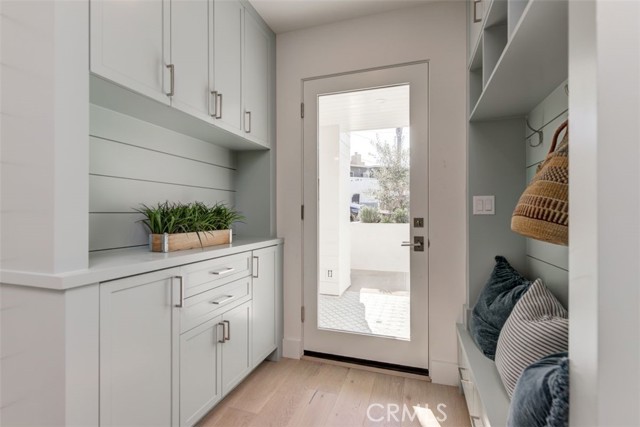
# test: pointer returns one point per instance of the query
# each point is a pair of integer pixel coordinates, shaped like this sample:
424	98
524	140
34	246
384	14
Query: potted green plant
181	226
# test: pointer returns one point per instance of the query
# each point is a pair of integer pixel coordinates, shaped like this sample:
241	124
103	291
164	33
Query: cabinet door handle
219	106
181	303
172	79
223	271
475	11
227	329
474	419
256	272
247	114
214	94
217	329
222	299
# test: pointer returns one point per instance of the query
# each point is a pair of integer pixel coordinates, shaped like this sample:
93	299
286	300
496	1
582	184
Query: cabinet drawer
214	302
203	276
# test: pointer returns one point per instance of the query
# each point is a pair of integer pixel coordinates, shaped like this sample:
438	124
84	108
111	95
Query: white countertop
117	263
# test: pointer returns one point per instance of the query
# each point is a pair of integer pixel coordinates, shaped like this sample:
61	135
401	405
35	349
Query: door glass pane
363	218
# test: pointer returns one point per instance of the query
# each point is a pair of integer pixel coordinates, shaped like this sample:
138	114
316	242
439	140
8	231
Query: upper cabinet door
191	56
129	45
256	81
227	75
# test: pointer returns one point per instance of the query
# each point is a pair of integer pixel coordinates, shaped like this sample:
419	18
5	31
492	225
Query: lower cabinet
200	365
236	361
137	342
264	318
158	369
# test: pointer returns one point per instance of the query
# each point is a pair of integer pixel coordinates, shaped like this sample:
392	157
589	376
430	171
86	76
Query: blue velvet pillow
541	397
499	296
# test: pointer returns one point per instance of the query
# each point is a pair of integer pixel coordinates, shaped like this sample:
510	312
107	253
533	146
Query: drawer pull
223	271
222	299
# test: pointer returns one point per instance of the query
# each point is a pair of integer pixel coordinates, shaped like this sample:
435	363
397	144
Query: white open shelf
524	64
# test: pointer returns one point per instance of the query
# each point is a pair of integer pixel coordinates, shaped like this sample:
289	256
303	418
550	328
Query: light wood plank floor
303	393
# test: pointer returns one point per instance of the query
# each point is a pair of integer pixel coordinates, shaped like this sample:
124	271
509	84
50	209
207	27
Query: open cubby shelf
521	56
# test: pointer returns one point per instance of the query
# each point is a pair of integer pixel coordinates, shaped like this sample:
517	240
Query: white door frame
414	353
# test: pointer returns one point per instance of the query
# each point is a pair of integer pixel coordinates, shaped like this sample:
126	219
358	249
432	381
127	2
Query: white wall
44	140
333	220
604	273
434	32
376	247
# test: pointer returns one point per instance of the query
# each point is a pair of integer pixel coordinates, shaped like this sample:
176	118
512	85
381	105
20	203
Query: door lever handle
417	245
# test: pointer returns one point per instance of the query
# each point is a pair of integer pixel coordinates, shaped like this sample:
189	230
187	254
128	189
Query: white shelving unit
524	49
518	58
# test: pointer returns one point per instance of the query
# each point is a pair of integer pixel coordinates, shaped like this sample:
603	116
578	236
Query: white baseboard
442	372
292	348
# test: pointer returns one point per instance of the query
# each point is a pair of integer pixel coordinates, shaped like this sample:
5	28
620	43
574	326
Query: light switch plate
484	205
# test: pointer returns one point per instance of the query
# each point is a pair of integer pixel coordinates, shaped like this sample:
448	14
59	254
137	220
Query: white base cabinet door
236	359
264	303
130	44
138	338
200	365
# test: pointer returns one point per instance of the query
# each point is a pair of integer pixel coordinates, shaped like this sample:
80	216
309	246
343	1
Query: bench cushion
501	293
537	327
541	397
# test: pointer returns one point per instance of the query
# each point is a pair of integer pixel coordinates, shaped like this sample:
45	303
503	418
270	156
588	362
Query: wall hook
538	131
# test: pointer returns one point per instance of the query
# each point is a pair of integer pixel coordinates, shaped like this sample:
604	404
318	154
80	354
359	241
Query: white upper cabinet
210	59
192	56
129	45
256	80
227	75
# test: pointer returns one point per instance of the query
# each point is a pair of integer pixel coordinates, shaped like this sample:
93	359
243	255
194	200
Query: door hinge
302	212
302	110
302	314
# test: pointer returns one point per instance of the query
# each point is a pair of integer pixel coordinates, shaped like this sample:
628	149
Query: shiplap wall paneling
134	162
547	261
496	167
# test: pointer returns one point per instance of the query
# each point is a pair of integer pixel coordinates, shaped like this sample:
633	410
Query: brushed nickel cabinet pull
475	11
217	329
223	271
227	329
222	299
256	273
219	106
247	114
181	303
172	77
214	94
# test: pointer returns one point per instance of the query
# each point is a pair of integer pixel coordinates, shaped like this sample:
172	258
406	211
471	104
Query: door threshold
368	365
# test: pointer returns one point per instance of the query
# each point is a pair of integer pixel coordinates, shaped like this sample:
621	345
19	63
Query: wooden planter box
182	241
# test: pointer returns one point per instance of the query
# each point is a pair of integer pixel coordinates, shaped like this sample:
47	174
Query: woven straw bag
543	209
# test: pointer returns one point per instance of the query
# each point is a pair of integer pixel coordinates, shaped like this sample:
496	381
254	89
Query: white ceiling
290	15
371	109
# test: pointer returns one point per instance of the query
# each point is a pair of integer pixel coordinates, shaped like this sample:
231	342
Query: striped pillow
537	327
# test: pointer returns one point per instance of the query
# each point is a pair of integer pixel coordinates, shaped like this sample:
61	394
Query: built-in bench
484	392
